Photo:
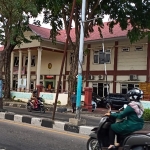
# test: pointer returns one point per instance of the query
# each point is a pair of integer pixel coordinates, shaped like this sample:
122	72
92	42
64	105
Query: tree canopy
133	13
14	20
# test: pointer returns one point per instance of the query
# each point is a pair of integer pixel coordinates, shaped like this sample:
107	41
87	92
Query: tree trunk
1	76
72	80
7	59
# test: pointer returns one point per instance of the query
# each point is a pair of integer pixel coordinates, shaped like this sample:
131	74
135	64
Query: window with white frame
100	57
71	58
138	48
32	61
126	87
26	61
125	49
16	61
31	85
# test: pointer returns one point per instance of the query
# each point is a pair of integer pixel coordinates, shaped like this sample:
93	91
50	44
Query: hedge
146	115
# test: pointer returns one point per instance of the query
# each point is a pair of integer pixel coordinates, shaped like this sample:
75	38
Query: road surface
91	120
17	136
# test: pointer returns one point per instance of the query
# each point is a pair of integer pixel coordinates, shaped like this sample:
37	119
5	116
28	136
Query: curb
51	108
48	123
11	104
48	108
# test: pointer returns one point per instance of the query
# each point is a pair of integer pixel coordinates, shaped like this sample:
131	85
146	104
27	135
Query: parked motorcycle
139	140
40	105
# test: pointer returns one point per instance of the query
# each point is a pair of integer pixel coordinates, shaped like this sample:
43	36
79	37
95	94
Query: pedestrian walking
73	102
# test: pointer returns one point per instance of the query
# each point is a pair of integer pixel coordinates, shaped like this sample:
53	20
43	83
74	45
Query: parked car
98	100
116	100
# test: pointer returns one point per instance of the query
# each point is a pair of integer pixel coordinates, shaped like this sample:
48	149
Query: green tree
14	20
133	13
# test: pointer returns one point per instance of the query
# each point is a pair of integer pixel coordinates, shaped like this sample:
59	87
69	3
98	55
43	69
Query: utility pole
63	60
81	48
105	67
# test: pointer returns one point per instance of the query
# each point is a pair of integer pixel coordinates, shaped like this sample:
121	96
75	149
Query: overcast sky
40	17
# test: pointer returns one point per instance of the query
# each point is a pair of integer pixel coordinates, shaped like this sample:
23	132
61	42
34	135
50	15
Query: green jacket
131	124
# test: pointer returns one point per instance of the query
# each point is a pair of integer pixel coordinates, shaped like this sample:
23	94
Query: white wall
48	97
51	57
132	60
126	78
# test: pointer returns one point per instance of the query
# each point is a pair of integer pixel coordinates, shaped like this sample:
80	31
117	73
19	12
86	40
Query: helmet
34	91
135	94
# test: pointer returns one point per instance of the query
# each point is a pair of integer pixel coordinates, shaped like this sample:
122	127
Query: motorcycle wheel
29	108
42	109
92	144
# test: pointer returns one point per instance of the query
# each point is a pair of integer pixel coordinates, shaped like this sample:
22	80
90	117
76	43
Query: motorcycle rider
133	113
34	99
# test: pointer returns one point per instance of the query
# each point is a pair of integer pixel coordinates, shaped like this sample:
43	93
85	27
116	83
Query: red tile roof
45	33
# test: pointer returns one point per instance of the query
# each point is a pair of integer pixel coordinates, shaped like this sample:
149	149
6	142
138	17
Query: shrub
146	115
13	98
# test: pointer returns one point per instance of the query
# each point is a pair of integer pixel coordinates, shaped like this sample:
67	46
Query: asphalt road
90	120
15	136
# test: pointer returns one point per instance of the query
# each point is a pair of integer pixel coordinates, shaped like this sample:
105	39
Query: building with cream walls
128	65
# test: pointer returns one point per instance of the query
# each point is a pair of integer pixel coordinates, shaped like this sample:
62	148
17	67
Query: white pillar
11	70
29	70
20	67
38	72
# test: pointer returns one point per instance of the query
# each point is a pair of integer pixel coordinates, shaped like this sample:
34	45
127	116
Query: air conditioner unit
133	77
91	77
101	77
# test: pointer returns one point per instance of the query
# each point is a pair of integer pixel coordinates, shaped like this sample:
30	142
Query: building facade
128	65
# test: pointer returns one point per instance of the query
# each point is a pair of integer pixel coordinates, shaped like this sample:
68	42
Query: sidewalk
54	124
97	113
48	123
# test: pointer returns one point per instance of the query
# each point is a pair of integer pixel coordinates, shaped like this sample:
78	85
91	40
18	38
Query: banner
22	83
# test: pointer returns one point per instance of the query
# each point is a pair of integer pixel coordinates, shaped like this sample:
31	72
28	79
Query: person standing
73	101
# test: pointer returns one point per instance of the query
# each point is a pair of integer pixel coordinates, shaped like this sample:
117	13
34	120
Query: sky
40	17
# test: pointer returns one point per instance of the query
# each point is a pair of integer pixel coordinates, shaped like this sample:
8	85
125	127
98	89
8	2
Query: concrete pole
20	67
11	70
38	72
81	48
29	70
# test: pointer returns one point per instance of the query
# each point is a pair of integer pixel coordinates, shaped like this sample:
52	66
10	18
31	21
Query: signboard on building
15	70
48	77
22	83
145	87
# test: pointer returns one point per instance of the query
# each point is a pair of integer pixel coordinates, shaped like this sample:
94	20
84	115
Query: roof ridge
39	26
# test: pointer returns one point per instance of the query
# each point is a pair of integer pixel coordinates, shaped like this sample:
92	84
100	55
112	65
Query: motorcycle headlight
98	99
